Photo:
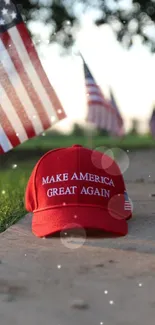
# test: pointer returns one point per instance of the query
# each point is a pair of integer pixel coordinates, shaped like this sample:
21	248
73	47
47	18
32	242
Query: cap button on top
76	145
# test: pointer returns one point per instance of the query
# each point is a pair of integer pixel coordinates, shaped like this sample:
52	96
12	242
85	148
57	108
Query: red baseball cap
77	182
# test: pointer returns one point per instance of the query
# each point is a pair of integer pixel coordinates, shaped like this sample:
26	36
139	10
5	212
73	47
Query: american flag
100	110
127	203
28	102
119	124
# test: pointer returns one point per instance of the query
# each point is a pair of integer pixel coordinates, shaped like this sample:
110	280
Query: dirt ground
104	281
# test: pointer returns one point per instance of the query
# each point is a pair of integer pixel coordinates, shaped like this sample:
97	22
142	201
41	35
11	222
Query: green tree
78	130
134	128
102	133
62	16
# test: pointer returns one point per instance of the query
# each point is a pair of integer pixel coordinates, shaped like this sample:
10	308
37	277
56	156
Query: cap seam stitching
46	154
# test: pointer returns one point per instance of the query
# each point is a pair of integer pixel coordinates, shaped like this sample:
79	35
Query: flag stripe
28	102
90	82
92	117
18	107
30	79
20	89
12	116
119	128
4	141
8	128
98	102
104	117
97	115
100	110
18	63
95	99
94	91
1	150
38	67
127	204
95	95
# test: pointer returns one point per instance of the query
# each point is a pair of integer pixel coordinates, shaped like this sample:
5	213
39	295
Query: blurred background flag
97	104
152	123
101	111
119	124
28	102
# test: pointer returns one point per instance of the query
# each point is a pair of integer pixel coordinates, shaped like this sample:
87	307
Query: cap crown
73	176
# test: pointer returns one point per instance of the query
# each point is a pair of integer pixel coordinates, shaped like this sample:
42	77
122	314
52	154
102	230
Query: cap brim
48	222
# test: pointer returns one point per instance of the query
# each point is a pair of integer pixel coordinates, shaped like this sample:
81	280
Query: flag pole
89	138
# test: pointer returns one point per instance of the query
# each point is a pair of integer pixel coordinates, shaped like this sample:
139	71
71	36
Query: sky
130	73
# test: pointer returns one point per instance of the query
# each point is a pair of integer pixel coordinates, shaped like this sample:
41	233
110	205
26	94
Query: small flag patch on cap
127	203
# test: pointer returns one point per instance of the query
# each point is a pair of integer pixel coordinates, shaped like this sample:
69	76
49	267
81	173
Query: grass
12	188
50	142
13	181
